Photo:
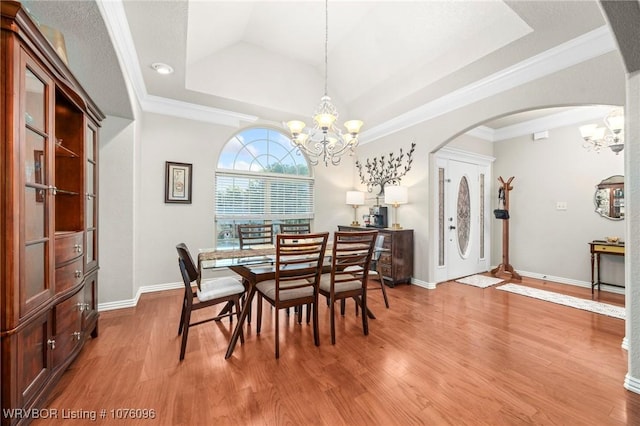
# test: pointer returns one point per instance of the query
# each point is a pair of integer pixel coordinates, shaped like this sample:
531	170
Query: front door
461	210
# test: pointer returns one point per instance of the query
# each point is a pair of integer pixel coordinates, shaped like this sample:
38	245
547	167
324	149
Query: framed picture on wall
177	188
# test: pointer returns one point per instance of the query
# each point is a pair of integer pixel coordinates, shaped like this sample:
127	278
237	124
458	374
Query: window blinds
263	197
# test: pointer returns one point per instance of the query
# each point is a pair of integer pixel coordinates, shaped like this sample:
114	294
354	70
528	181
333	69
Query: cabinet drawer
608	249
385	259
386	269
67	327
69	276
69	245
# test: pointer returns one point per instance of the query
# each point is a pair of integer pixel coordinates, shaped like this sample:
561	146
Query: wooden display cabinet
48	215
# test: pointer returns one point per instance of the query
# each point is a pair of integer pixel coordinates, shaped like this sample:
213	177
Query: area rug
481	281
561	299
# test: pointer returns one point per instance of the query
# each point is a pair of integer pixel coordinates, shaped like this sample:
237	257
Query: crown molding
191	111
583	48
117	24
450	153
552	121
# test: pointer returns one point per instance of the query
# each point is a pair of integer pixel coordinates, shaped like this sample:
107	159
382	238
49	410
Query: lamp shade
353	126
588	130
396	195
355	198
296	126
615	120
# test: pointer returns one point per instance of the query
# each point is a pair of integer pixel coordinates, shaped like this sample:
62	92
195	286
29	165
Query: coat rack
505	266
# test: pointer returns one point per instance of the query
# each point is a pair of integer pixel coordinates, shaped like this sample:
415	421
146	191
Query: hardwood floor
457	355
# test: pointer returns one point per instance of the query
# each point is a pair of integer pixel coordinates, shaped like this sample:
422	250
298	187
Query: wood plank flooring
457	355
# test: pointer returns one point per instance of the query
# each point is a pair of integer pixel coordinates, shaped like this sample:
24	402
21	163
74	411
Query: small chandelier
611	136
325	141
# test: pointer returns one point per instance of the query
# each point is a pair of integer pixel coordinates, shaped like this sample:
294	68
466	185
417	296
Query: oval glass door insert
464	217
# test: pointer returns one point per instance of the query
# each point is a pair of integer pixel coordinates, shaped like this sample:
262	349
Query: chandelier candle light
355	199
325	141
611	136
396	195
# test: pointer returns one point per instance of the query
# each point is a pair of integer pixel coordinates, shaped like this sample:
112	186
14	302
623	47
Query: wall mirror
609	198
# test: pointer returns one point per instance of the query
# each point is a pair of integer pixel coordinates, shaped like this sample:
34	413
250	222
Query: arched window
260	178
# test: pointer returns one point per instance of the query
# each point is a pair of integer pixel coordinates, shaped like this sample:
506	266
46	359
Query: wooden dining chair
252	235
375	270
199	294
350	260
297	276
295	228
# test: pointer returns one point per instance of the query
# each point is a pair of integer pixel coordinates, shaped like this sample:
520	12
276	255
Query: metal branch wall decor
383	170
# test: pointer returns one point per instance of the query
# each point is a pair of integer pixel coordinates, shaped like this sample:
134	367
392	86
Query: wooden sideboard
48	216
598	248
397	262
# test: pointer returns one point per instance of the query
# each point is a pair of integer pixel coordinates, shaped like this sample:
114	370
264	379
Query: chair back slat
250	235
295	228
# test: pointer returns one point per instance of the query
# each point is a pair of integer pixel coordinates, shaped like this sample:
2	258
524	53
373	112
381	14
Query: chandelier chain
326	47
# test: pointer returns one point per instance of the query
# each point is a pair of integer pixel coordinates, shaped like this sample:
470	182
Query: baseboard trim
131	303
423	284
631	384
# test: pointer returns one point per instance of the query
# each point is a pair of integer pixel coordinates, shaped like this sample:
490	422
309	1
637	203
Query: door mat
478	280
562	299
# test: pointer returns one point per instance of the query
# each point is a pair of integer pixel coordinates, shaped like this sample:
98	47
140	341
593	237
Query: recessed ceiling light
162	68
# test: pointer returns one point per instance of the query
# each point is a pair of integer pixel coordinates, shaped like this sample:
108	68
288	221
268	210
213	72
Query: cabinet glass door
91	192
37	250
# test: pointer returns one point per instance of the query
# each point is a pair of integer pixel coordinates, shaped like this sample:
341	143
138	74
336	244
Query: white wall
472	144
544	240
116	209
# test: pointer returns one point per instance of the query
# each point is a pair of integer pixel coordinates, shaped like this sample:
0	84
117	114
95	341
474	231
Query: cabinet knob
52	343
81	306
77	335
53	189
78	274
78	248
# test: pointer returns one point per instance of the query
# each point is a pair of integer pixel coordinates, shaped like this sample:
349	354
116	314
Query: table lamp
355	199
396	195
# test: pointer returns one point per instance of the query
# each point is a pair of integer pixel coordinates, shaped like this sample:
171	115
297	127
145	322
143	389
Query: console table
603	247
397	261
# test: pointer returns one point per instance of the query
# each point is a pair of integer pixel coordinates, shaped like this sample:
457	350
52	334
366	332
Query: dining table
253	264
